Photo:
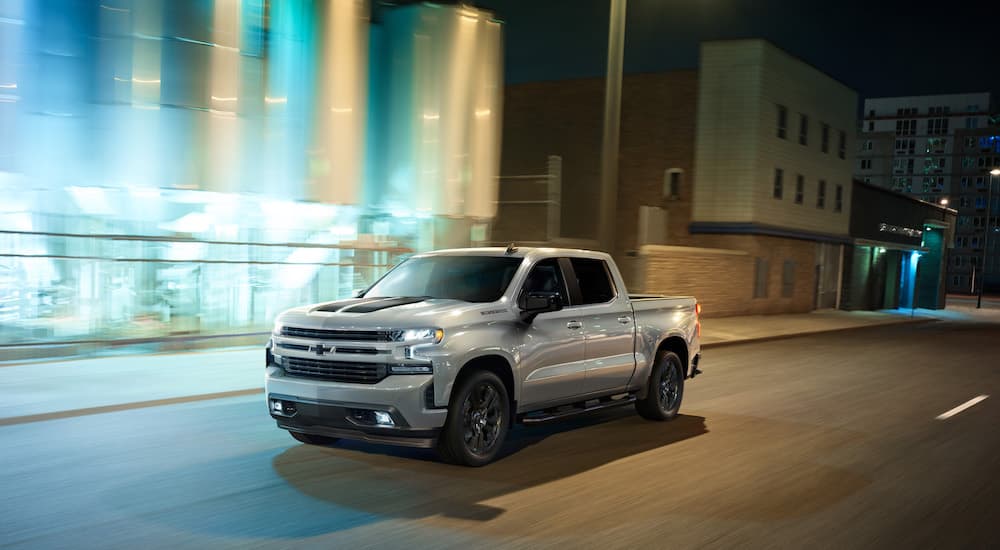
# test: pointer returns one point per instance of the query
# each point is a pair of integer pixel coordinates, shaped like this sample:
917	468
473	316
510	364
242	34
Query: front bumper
346	421
320	406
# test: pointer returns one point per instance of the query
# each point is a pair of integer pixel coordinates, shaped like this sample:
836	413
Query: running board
565	411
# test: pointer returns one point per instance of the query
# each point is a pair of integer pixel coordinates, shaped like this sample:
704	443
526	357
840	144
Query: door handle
624	319
574	325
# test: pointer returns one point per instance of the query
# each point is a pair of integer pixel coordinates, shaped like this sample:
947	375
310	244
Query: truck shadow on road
413	483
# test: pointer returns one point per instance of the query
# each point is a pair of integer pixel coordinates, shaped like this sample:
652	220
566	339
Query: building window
871	113
803	129
800	188
760	278
779	175
824	138
821	195
871	126
869	145
782	121
866	164
971	123
672	189
838	198
842	149
788	279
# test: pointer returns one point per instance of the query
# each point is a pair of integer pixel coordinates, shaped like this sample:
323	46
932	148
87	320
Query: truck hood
386	313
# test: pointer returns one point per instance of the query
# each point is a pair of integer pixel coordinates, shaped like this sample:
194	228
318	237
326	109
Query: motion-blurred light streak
195	166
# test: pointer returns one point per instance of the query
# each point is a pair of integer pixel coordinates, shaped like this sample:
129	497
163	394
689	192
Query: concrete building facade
740	169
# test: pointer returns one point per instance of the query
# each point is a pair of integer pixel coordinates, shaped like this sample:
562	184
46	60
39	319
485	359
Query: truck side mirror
533	303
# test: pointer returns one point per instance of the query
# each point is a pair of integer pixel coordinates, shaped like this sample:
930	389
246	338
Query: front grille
287	345
336	371
353	335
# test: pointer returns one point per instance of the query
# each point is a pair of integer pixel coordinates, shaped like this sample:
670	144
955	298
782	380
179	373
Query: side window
594	281
546	276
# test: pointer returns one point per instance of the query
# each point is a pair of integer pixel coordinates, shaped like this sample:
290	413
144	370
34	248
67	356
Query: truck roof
518	252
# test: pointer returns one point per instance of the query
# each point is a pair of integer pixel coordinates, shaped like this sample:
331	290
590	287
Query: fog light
382	418
276	405
410	369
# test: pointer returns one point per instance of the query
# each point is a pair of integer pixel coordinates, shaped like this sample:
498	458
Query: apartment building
938	149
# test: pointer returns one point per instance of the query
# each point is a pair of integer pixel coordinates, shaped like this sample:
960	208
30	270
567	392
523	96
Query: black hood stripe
378	304
341	304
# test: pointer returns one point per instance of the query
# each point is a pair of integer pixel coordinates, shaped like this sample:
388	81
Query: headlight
422	335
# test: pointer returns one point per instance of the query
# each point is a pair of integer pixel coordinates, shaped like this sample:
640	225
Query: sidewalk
46	390
737	330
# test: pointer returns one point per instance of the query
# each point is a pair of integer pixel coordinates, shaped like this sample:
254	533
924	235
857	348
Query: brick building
733	184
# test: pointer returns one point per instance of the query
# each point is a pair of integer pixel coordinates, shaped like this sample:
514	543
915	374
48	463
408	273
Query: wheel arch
679	346
496	364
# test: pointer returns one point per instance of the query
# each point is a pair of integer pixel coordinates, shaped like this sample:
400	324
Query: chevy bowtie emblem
320	349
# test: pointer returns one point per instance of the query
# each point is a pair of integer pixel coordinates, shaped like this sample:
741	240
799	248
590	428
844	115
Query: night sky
879	48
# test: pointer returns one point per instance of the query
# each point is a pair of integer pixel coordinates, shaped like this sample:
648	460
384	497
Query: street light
986	240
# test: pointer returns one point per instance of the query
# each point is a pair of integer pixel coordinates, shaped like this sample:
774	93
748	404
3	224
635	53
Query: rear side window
594	280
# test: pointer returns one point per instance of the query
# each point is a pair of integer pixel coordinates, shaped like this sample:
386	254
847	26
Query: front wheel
477	420
665	388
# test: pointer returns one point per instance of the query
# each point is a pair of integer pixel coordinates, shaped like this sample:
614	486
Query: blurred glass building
193	167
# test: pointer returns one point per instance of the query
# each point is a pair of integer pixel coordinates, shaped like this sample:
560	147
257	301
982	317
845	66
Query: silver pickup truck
448	349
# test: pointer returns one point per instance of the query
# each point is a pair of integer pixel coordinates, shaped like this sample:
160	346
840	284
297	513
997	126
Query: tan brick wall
721	276
717	278
776	250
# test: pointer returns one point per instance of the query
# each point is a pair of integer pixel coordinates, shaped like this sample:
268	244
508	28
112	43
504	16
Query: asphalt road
811	442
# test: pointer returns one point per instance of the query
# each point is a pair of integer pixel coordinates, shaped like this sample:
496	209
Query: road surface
825	441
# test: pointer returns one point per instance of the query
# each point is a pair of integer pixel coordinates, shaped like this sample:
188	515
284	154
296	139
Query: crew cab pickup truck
449	348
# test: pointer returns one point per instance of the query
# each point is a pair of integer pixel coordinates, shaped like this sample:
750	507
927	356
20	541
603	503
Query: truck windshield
467	278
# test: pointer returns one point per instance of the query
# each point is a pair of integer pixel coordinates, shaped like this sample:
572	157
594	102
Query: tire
665	388
478	418
311	439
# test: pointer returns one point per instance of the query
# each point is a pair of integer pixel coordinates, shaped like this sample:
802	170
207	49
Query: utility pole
986	237
612	122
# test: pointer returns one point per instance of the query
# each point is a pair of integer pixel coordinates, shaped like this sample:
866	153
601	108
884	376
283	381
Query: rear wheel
665	388
477	420
311	439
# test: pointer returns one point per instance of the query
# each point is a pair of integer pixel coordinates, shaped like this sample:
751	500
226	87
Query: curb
71	413
738	341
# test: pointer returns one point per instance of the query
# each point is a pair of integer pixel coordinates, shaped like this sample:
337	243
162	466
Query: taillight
697	309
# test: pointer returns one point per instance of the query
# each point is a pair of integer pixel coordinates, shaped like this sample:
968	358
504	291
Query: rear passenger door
608	326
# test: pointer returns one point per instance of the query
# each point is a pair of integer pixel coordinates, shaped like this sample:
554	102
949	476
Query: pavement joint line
756	339
968	404
72	413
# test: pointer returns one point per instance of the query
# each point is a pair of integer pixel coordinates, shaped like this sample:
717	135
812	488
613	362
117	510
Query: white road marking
970	403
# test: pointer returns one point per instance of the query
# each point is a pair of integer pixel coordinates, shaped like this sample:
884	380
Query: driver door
552	363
